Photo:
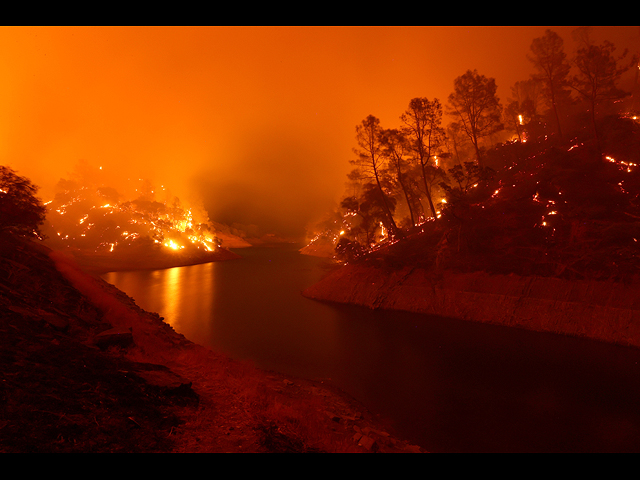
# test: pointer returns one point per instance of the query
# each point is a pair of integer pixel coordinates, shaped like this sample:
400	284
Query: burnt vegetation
546	185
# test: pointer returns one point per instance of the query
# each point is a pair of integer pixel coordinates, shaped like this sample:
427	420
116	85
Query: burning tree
422	127
396	147
371	161
599	72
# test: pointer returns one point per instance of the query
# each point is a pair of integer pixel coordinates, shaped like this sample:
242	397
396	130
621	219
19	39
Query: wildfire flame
82	218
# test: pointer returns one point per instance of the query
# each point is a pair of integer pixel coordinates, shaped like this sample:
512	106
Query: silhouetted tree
457	142
21	213
362	227
475	104
371	161
598	76
422	126
550	61
396	147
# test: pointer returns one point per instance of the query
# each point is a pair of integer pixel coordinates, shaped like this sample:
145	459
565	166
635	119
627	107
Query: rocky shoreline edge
605	311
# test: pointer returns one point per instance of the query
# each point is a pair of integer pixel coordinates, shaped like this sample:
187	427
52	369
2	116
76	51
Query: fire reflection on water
184	296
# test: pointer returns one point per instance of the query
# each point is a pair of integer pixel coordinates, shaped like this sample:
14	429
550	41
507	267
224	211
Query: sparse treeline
405	178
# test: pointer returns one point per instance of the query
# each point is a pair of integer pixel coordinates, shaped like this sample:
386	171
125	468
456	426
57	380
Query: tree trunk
555	112
393	228
595	128
475	145
404	190
428	192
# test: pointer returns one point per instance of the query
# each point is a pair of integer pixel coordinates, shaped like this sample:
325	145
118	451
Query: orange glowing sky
257	121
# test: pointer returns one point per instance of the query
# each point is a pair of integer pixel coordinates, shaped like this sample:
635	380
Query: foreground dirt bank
84	369
599	310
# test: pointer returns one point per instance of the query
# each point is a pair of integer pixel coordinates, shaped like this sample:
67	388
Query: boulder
114	337
167	381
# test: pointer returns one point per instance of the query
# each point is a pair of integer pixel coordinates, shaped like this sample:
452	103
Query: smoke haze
257	123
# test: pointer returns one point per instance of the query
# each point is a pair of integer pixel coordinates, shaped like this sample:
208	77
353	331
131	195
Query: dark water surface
446	385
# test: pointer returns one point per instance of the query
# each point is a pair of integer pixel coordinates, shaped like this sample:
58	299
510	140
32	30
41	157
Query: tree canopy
370	159
422	127
550	61
475	104
21	212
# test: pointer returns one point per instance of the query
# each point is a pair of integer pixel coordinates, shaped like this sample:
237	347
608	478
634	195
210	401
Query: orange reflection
187	298
171	296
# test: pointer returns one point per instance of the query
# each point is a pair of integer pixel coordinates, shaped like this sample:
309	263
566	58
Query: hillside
549	240
84	369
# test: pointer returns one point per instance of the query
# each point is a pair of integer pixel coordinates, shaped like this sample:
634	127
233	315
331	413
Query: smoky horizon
255	124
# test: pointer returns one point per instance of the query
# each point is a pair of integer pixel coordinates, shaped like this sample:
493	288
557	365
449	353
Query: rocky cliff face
599	310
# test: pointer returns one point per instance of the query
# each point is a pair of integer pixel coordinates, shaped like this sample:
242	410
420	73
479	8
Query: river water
444	384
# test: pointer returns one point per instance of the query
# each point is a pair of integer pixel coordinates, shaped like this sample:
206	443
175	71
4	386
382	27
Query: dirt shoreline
84	369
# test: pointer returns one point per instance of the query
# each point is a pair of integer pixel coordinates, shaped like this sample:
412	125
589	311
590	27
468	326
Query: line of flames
206	241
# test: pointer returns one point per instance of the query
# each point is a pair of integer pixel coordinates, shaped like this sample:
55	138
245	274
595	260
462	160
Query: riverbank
84	369
605	311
